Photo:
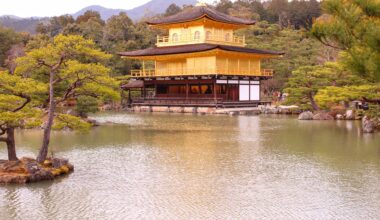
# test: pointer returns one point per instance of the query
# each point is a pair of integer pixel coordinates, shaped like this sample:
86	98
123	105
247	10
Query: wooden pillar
215	92
227	91
129	97
227	66
143	67
249	66
187	91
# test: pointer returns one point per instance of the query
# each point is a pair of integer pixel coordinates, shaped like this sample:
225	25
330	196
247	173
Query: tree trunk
11	144
313	103
47	131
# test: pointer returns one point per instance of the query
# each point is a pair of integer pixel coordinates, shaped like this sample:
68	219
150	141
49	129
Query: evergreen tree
17	107
71	66
353	26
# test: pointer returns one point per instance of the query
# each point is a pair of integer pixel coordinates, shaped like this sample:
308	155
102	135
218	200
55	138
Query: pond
177	166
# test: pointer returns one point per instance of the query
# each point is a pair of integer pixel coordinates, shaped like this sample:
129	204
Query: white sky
42	8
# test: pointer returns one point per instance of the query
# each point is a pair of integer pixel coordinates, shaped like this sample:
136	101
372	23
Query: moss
28	170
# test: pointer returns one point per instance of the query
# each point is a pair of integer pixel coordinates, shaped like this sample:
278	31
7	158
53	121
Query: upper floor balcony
197	38
167	72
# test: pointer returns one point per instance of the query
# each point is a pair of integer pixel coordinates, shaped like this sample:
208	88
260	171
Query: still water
174	166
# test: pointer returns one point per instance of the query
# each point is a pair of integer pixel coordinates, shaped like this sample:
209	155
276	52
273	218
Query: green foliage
8	38
300	49
172	10
296	14
89	15
86	104
64	121
333	95
354	26
78	65
17	104
305	83
308	81
55	25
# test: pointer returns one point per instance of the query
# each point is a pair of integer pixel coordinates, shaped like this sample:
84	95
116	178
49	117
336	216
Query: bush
85	105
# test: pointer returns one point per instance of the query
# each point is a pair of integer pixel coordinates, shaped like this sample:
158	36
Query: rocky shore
27	170
369	125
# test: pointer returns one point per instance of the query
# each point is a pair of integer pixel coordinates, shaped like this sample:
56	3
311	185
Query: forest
332	57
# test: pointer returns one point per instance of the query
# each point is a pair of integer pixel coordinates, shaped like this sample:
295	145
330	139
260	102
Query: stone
176	109
160	109
93	122
57	163
284	109
323	116
27	170
350	115
145	109
339	117
232	113
306	116
190	110
368	125
207	110
270	110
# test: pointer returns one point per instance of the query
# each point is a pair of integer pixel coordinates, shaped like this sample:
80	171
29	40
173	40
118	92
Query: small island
179	109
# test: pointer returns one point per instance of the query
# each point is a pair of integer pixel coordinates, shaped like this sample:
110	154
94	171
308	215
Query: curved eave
202	50
163	24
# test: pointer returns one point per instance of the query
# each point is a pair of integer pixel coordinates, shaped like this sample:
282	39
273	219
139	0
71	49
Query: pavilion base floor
198	110
28	170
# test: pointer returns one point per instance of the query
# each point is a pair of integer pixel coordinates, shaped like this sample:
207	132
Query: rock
323	116
270	110
339	117
12	167
284	109
93	122
368	125
306	116
350	115
232	113
57	163
27	170
31	166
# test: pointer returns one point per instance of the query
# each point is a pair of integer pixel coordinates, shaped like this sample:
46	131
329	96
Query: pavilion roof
198	12
193	48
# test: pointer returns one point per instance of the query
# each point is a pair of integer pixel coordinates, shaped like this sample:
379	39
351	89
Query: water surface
175	166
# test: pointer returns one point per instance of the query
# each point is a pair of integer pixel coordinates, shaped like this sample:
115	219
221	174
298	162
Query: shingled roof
155	51
200	12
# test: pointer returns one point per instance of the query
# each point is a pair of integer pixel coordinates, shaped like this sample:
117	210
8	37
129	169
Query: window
197	35
162	89
227	37
206	89
177	89
175	37
221	89
194	89
208	35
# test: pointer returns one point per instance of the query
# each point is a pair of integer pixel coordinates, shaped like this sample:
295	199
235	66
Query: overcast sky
41	8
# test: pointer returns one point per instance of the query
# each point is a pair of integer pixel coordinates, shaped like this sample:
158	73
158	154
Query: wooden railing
199	71
164	41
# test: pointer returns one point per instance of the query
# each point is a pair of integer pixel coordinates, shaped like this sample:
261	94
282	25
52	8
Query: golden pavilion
201	62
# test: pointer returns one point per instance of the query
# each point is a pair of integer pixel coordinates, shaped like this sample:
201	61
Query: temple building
200	63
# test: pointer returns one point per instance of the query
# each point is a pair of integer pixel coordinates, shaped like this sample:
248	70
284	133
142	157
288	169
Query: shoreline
27	170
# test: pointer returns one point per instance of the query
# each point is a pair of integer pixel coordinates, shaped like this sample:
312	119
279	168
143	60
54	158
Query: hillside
156	7
21	24
151	8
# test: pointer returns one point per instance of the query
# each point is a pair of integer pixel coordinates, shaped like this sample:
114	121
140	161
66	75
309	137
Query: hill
21	24
151	8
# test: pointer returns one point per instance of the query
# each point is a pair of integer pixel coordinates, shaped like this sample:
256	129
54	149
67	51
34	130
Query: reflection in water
170	166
